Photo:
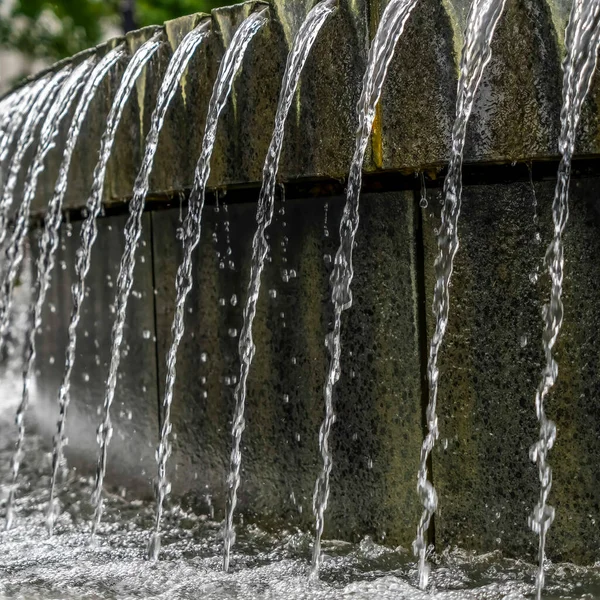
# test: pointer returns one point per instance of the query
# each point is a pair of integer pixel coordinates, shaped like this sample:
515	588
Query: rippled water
34	566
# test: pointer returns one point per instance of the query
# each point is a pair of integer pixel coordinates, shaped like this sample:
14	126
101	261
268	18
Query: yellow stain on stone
377	137
134	41
291	15
140	86
559	9
174	37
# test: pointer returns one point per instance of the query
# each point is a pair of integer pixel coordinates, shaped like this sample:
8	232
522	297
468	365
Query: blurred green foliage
54	29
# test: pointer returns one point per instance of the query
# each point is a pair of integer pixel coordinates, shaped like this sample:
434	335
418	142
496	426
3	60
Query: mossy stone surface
491	364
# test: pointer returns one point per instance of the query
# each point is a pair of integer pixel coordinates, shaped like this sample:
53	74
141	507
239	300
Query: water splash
582	43
43	93
476	54
301	47
381	53
230	65
133	230
88	234
50	129
47	251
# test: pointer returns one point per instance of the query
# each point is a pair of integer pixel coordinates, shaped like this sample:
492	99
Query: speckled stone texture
491	364
378	433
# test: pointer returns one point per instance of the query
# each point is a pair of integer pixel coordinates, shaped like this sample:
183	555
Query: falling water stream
14	252
303	42
89	230
133	231
381	53
275	564
230	65
582	42
50	129
476	54
47	250
43	92
15	115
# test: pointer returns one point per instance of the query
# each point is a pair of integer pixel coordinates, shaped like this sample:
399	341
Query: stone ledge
516	116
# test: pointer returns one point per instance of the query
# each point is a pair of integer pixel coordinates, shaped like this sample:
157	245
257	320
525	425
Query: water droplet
523	341
273	293
86	377
51	360
232	332
233	300
147	334
286	398
533	277
423	202
222	302
203	357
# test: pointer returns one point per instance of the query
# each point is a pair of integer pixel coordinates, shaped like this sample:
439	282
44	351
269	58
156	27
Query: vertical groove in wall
154	312
422	311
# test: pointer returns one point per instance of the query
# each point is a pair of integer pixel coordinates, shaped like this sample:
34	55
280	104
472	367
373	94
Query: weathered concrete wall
492	358
491	366
380	397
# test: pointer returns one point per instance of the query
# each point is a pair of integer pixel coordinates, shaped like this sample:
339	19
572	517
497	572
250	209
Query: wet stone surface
520	86
134	413
491	364
378	432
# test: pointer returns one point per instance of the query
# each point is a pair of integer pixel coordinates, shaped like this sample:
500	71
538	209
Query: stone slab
491	364
378	431
131	455
522	85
